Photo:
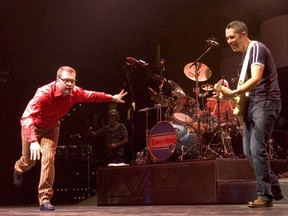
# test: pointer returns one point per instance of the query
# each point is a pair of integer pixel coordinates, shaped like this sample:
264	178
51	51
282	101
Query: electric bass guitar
239	101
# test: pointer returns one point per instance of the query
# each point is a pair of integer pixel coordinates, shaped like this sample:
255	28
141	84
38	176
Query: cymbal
163	81
207	87
165	101
196	69
170	85
176	89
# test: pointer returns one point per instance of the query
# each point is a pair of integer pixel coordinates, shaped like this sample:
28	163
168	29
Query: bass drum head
162	141
170	140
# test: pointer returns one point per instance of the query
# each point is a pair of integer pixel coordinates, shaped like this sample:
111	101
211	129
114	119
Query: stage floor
90	207
163	210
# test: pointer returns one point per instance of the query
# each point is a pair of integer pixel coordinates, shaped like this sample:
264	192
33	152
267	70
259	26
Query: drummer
220	108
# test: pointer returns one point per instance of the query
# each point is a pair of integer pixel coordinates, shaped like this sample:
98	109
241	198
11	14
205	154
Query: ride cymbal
197	70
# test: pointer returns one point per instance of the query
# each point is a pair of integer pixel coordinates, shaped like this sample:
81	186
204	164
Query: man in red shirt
40	125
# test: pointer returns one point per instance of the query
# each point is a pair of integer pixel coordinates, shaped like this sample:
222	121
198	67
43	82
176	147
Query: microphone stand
159	106
129	71
89	188
197	73
146	110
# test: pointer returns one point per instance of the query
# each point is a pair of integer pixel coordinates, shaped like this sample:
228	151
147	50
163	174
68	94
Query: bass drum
170	140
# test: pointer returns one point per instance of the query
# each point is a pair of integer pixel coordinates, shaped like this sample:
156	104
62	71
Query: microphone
212	42
134	61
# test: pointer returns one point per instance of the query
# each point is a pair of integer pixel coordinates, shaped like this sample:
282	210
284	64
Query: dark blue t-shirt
268	89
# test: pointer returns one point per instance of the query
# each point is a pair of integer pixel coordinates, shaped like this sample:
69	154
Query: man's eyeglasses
67	81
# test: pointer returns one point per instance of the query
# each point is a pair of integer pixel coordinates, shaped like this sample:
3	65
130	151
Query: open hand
118	97
35	151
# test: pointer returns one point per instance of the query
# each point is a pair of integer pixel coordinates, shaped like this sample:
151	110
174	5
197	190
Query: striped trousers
48	140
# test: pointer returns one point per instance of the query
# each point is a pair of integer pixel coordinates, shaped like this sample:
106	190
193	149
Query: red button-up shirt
48	106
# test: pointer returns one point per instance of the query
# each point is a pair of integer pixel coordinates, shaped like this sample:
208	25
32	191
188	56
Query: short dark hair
239	26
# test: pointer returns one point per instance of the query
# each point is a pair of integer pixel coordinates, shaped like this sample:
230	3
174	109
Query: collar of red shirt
57	91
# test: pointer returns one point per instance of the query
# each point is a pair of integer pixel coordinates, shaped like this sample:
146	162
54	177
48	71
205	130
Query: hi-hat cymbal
198	70
176	89
207	87
165	101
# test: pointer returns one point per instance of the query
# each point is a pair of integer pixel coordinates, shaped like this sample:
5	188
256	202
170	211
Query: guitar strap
244	66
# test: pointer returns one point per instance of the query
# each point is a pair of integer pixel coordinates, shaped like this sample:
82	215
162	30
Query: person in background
225	107
261	112
40	127
116	137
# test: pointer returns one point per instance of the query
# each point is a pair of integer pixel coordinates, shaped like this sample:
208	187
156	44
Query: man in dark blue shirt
261	111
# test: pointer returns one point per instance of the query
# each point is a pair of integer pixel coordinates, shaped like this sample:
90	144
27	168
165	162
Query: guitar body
240	101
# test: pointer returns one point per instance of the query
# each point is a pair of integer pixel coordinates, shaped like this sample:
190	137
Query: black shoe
17	179
46	206
278	196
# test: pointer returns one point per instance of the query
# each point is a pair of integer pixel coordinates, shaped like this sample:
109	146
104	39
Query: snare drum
168	138
184	110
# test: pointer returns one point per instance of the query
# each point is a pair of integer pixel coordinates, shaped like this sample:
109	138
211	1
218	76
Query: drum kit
188	132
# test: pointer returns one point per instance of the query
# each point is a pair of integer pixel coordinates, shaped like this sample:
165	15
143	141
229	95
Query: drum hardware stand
159	112
224	135
167	115
202	96
143	156
159	106
271	151
146	110
216	133
227	138
183	152
196	90
207	147
89	188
